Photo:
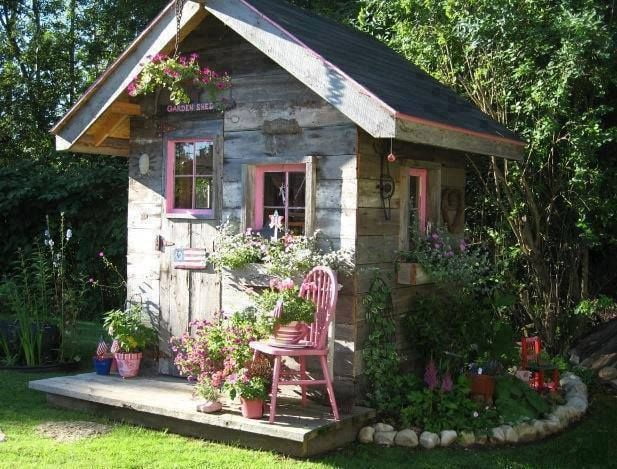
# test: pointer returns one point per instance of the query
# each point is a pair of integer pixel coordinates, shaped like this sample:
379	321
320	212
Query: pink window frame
422	175
171	178
260	171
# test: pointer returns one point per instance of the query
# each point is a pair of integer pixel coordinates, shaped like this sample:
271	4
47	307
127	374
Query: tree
546	69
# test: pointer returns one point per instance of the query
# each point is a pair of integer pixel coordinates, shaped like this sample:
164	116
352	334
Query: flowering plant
235	250
448	258
172	73
128	329
295	308
288	257
250	383
217	349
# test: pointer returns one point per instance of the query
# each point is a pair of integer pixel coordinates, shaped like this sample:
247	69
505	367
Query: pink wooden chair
319	286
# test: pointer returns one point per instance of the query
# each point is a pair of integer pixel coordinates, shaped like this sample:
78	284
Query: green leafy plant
295	308
206	390
435	409
128	328
174	73
235	250
516	401
246	387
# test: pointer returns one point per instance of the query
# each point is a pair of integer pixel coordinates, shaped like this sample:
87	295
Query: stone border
532	430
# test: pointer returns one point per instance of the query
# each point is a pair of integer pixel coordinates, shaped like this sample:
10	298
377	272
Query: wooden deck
167	403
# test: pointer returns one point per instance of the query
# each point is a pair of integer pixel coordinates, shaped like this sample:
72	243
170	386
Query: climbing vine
385	384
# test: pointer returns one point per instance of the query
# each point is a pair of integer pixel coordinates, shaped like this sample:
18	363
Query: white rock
497	436
466	438
552	425
540	429
383	427
526	432
447	437
2	437
481	438
429	440
366	435
407	438
563	413
510	434
385	438
578	403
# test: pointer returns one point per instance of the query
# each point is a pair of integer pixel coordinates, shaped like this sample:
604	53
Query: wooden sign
190	259
220	106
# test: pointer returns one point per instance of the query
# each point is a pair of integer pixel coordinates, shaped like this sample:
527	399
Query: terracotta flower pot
128	364
290	333
483	385
252	408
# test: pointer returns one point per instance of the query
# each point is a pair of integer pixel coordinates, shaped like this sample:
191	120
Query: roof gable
379	90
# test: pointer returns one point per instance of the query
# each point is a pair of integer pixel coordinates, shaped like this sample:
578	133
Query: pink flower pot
252	409
290	333
128	364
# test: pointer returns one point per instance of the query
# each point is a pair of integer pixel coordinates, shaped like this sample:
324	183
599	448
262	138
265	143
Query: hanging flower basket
177	75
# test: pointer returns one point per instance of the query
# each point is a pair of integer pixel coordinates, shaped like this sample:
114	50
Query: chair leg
303	377
328	378
275	387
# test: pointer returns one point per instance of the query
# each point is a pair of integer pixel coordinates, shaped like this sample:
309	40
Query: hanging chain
179	8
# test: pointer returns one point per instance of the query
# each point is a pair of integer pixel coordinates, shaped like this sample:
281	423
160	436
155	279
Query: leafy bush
435	410
516	401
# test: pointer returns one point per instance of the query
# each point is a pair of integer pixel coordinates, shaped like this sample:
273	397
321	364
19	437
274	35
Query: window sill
190	216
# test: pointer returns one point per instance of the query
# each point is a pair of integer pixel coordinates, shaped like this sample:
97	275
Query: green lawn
592	443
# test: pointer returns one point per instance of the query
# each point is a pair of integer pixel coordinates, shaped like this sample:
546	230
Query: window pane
183	196
203	192
297	189
184	158
295	224
204	155
274	189
414	187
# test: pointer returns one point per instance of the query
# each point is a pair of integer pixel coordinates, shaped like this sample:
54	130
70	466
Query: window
418	193
281	188
190	177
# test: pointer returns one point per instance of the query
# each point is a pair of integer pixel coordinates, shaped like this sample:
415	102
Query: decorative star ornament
276	222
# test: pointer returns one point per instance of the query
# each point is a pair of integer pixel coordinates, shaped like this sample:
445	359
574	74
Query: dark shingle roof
390	77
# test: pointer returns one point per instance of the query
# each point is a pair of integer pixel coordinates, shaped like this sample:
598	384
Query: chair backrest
320	286
531	348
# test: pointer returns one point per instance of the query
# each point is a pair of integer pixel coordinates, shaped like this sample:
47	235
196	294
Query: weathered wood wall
378	239
276	120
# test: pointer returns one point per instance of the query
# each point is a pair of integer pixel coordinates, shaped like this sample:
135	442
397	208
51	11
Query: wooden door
189	295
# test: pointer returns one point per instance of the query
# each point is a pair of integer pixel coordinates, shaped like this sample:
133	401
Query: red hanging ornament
391	158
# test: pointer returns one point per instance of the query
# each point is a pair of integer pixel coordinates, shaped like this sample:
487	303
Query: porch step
168	403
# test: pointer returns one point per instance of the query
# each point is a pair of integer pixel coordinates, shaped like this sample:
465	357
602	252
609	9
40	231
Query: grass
590	444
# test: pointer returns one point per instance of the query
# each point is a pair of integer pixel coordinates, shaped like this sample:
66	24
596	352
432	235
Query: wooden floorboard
168	403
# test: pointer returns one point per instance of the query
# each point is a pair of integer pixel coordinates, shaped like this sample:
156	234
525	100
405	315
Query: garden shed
314	108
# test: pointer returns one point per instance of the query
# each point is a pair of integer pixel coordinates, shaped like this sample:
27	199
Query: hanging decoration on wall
190	259
386	185
391	156
452	209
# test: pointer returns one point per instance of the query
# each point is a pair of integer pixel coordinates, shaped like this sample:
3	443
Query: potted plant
132	336
290	324
103	359
251	389
206	390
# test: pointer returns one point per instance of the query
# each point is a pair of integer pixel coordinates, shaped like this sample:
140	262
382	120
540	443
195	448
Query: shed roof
382	92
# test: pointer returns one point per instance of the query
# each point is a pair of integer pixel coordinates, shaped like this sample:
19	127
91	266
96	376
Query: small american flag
102	348
190	259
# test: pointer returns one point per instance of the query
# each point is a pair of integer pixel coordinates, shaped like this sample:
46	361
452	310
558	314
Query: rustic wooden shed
314	103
